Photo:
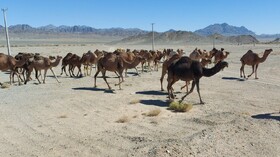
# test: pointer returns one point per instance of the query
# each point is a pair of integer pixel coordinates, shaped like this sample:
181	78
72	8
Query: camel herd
174	64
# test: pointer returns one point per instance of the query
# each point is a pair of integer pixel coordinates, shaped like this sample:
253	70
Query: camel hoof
202	103
256	78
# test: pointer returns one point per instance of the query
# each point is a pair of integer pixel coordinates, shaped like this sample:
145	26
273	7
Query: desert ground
72	118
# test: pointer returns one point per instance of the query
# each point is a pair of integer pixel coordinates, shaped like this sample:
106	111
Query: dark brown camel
65	62
253	59
189	70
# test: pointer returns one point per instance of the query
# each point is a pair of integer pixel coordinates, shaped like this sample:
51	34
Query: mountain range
224	32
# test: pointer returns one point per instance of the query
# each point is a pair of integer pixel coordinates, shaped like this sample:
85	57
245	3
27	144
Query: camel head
268	51
221	65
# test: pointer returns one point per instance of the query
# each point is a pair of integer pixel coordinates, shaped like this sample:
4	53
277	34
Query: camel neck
212	71
263	58
55	63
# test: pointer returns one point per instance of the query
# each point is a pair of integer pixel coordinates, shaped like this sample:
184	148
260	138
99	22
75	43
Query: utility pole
153	42
6	30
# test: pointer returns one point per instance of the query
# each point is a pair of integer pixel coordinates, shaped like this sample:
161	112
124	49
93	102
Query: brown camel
110	62
220	55
253	59
137	59
65	62
43	64
187	69
75	61
10	63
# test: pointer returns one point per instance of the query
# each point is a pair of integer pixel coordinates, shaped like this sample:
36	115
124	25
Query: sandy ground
240	118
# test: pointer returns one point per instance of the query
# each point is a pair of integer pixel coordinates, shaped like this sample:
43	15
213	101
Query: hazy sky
260	16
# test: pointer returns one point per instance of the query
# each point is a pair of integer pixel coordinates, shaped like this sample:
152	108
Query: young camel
10	63
187	69
75	61
253	59
110	62
43	64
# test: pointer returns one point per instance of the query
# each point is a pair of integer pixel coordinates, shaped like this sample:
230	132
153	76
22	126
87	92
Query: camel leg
104	78
170	89
256	77
253	70
120	80
197	88
54	75
193	84
95	76
137	71
36	75
90	70
45	74
242	71
85	70
163	73
125	72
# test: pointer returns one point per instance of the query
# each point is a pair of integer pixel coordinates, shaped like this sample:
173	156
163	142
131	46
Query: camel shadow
233	78
151	92
94	89
267	116
159	103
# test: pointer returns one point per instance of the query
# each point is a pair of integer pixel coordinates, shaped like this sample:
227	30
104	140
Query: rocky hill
24	28
225	30
183	37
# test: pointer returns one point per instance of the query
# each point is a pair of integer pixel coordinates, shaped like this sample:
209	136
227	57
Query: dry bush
180	107
152	113
123	119
134	101
62	116
5	85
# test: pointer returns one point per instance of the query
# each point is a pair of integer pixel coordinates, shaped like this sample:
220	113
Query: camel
43	64
187	69
137	59
149	57
65	62
88	59
220	55
196	54
10	63
253	59
110	62
165	66
75	61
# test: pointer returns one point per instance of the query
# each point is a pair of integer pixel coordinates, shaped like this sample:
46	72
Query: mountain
168	37
184	37
225	30
122	32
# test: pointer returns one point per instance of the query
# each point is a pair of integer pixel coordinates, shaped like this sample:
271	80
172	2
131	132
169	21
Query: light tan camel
88	59
43	64
110	62
253	59
10	63
187	69
196	55
220	56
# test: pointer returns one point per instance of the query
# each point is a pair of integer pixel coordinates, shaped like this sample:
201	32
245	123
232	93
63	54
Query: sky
260	16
